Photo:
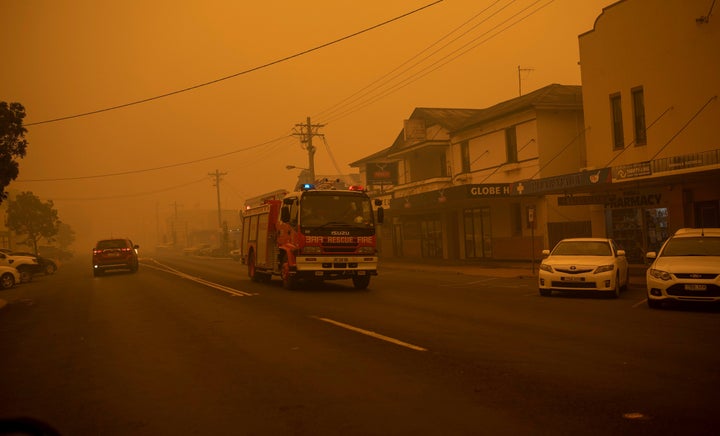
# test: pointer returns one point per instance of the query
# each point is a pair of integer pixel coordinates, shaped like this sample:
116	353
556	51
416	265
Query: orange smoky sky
123	171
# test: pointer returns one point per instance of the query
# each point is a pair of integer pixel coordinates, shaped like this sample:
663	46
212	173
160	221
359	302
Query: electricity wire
145	170
231	76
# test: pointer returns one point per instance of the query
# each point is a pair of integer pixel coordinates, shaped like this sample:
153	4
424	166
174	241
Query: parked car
584	264
46	266
9	276
26	265
687	268
111	254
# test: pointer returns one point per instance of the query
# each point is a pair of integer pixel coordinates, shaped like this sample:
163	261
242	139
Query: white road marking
160	267
639	303
475	282
371	334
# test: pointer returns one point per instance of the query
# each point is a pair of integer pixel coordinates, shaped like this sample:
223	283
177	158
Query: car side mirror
546	253
651	255
621	253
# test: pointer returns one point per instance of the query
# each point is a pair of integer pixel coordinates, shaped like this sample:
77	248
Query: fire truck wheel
252	272
361	282
289	280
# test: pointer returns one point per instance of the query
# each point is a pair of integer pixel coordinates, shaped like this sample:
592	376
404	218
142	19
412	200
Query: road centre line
370	333
219	287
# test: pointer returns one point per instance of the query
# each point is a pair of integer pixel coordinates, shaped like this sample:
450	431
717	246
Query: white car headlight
660	274
604	268
546	267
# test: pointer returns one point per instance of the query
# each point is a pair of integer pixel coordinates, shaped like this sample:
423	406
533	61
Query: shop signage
559	183
490	190
639	200
382	173
612	201
640	169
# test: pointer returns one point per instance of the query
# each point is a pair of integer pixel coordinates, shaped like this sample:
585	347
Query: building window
617	124
465	156
511	145
638	99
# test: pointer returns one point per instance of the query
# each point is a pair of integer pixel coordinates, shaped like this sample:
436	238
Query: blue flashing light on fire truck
313	235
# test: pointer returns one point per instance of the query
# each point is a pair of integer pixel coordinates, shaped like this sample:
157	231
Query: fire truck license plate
340	259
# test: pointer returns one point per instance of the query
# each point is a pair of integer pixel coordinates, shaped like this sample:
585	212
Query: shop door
707	214
478	234
431	238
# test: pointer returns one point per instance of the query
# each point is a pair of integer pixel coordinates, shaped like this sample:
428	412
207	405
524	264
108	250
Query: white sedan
584	264
687	268
9	276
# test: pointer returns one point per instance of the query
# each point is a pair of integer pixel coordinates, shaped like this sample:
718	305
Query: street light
304	177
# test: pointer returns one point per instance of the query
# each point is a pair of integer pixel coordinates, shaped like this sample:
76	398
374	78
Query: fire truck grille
339	248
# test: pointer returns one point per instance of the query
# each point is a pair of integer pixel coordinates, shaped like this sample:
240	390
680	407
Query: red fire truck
312	235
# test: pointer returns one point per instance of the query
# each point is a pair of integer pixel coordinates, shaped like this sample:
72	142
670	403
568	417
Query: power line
231	76
140	194
145	170
461	51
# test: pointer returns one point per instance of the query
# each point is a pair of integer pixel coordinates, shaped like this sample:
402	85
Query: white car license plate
572	279
693	287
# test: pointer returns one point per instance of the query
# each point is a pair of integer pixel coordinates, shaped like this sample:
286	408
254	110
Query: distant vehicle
9	276
197	250
26	265
687	268
111	254
46	266
236	254
584	264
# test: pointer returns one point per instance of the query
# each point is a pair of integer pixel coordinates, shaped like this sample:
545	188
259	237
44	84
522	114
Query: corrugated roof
553	96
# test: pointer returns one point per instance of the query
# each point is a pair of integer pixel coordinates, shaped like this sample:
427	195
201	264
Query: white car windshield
700	246
582	248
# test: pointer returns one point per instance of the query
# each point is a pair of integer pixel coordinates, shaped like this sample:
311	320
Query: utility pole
306	132
217	175
522	70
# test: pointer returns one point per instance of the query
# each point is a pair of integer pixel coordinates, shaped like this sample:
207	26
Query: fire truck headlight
311	250
366	250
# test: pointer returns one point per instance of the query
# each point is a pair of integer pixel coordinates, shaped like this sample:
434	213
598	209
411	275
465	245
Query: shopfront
638	221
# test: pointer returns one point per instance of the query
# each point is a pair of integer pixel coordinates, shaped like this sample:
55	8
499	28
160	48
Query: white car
26	265
584	264
687	268
9	276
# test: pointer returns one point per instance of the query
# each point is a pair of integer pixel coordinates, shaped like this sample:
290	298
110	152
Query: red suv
114	254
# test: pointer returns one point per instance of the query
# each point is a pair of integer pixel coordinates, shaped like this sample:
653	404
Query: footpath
508	269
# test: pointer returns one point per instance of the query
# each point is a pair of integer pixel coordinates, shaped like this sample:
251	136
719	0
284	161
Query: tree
12	143
65	236
27	215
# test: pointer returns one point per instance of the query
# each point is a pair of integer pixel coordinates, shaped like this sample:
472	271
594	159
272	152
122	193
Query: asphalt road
190	346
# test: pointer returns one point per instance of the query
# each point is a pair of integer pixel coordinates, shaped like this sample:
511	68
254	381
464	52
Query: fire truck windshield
336	209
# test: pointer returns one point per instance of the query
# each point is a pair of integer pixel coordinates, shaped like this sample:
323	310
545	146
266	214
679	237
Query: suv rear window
111	243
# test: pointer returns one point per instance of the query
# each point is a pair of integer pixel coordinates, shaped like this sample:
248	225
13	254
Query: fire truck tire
361	282
289	280
252	272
